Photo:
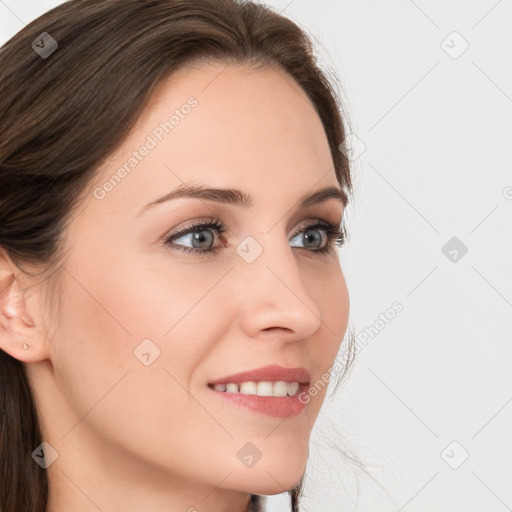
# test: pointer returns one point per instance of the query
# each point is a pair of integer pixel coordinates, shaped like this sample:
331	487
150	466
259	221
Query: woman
171	201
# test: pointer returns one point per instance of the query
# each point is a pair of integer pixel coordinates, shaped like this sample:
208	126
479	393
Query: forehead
227	126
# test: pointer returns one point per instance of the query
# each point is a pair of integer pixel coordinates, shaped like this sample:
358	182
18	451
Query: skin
132	437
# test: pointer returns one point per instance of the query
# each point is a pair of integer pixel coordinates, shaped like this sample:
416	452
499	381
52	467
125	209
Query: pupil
311	238
200	238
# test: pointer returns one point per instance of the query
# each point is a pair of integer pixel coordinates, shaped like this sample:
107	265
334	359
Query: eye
319	237
195	235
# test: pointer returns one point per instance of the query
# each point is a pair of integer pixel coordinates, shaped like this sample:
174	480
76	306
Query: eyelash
334	235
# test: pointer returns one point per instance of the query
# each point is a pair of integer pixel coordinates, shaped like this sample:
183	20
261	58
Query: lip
274	406
270	373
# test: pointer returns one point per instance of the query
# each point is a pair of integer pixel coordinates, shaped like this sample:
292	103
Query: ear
20	337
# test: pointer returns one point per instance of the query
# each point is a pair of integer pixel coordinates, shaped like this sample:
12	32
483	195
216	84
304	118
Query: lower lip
275	406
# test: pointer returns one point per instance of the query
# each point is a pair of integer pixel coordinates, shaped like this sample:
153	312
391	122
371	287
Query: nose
274	301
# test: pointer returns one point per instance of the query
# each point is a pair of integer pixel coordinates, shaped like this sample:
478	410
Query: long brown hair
65	109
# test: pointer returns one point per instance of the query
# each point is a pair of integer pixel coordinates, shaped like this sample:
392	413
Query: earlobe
19	336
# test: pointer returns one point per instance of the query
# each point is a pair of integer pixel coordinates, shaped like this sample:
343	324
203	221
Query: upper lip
271	373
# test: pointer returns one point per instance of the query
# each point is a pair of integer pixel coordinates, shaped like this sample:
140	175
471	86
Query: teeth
248	388
280	388
262	388
232	388
292	388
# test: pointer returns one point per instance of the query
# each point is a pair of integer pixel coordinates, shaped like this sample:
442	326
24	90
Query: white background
436	130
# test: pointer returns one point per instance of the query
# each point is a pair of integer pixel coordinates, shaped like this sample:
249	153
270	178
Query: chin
275	484
275	477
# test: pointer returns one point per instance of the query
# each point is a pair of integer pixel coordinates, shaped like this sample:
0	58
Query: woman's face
146	326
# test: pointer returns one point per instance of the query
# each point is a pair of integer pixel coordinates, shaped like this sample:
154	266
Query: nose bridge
274	294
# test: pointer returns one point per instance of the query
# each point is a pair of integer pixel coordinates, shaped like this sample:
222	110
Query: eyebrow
241	199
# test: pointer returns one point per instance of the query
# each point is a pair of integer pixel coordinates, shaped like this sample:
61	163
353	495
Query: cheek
108	388
330	293
332	298
133	300
112	319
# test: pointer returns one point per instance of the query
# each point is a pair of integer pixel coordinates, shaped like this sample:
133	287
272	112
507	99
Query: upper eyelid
314	221
185	230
